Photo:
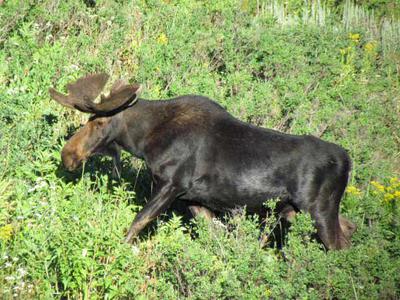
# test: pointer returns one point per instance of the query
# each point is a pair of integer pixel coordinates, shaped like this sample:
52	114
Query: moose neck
139	121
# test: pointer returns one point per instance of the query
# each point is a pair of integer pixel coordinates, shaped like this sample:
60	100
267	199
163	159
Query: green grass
60	233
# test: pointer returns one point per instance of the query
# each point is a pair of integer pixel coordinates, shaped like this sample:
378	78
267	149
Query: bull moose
198	152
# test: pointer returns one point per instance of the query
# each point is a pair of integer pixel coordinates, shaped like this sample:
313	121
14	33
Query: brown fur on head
89	140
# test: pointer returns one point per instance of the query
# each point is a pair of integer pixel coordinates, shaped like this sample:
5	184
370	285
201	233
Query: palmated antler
82	92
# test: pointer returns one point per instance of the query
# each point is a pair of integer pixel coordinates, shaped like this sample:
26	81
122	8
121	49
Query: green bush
61	233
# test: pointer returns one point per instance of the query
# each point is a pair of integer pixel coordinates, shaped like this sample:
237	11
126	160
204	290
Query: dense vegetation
60	233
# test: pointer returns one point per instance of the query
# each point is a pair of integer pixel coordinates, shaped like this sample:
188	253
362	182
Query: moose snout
70	160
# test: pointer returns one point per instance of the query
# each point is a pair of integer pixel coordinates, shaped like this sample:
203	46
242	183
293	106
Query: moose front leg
157	205
116	172
114	151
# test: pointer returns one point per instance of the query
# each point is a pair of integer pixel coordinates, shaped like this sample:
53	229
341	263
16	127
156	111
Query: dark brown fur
198	152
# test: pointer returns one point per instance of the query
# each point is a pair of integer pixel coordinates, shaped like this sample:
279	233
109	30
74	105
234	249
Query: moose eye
99	124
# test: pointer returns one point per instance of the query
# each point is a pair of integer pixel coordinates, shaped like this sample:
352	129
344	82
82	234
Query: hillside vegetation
297	69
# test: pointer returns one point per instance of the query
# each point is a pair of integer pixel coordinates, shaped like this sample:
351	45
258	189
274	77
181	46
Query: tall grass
385	30
61	233
353	18
312	13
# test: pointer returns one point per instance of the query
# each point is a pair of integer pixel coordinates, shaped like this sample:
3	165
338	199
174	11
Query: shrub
60	233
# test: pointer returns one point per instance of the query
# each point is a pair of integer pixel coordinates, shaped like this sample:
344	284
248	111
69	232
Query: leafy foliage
60	233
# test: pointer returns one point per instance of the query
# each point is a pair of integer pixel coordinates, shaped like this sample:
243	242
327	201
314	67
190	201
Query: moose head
97	136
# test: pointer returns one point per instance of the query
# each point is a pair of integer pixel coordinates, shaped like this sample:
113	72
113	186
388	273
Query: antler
82	92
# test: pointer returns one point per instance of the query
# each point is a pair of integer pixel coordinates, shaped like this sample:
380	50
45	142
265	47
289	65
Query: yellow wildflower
6	232
267	292
396	194
352	190
355	37
395	181
378	186
388	197
162	39
370	47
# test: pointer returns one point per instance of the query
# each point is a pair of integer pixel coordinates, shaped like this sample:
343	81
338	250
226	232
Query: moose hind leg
325	212
198	210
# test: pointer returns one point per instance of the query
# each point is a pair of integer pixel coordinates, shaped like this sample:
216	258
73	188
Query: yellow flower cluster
162	39
390	192
6	232
352	190
268	292
355	37
370	47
